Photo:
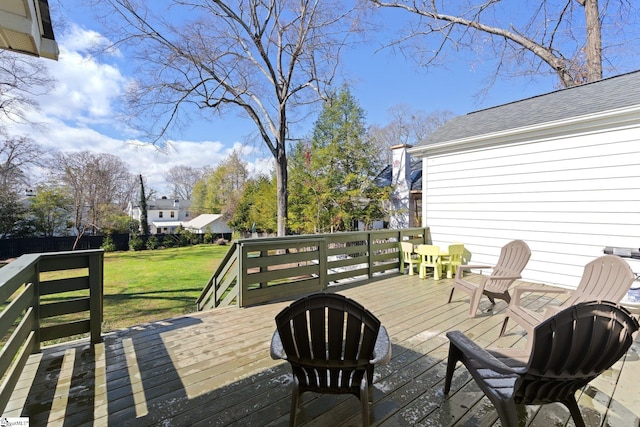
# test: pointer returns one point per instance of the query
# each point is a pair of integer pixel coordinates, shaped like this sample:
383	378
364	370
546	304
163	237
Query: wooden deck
213	368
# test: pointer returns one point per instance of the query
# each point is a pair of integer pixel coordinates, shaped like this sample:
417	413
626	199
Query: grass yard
146	286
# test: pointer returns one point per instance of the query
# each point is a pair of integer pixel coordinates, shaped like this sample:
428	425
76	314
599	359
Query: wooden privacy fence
267	269
45	297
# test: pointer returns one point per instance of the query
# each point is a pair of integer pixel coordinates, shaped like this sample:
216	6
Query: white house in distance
560	171
213	223
165	215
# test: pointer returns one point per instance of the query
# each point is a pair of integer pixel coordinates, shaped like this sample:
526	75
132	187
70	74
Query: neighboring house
25	27
213	223
166	215
406	197
560	171
163	215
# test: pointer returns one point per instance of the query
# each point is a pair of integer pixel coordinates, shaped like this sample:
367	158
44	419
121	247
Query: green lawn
146	286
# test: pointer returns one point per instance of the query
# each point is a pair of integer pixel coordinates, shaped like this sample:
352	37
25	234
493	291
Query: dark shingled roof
607	94
384	178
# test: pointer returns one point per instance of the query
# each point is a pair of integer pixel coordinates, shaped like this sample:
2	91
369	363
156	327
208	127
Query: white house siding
567	194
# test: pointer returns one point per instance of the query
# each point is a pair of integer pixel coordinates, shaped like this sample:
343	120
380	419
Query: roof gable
592	98
203	220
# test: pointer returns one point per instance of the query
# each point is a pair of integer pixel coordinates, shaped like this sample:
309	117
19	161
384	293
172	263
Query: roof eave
582	124
25	27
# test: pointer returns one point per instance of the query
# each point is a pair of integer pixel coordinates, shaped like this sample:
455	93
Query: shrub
169	241
152	242
107	244
136	243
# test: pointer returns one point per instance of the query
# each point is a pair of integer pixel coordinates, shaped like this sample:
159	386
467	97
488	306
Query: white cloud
78	39
79	115
85	90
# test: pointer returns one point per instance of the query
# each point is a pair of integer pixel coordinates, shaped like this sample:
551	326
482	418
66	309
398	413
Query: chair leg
370	381
454	356
453	288
474	303
571	403
504	326
294	403
364	401
507	412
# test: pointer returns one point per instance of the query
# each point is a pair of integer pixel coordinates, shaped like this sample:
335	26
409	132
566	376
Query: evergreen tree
12	214
50	211
257	205
143	210
333	176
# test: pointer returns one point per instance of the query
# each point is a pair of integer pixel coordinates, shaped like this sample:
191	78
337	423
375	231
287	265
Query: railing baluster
304	264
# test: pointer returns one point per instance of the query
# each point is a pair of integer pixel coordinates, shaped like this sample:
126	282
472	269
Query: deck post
35	281
96	290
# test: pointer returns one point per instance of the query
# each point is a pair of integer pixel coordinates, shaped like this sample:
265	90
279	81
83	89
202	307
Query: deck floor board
213	369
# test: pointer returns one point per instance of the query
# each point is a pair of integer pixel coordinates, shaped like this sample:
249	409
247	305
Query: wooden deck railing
31	315
267	269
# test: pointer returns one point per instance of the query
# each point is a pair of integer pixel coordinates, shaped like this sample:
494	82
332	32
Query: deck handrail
22	284
271	268
227	268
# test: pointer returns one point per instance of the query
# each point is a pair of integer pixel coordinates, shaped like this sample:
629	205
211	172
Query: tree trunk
282	193
593	49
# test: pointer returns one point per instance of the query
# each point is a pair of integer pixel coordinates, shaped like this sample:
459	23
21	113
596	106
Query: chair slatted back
514	257
407	249
329	340
456	251
429	253
607	278
572	348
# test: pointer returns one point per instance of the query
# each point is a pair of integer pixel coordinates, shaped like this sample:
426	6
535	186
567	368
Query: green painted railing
267	269
32	314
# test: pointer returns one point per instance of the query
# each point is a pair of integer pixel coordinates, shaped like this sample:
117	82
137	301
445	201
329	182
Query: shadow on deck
213	368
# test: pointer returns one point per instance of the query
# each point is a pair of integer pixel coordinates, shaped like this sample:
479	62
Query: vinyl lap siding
567	198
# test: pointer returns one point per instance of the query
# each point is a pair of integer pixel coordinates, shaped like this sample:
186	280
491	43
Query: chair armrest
460	268
382	348
471	266
515	277
519	290
473	351
277	350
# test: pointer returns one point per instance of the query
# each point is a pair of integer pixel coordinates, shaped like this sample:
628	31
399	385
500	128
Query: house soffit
25	27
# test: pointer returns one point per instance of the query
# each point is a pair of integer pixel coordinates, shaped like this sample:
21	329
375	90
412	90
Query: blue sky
80	112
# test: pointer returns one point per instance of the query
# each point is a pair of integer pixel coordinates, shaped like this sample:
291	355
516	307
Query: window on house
173	214
160	214
186	214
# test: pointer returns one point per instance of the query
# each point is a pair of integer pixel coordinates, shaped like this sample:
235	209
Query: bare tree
183	178
268	59
95	182
22	79
560	36
406	126
18	155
